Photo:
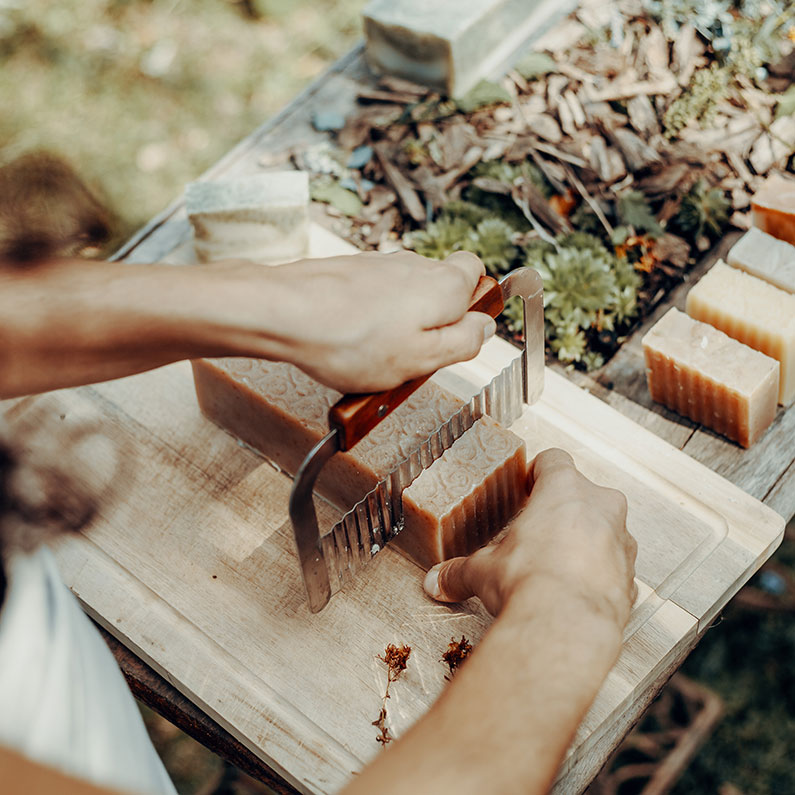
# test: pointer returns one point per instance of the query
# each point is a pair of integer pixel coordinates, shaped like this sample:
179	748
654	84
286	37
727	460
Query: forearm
75	322
504	723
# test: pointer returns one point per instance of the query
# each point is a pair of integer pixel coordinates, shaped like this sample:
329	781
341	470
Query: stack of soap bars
731	358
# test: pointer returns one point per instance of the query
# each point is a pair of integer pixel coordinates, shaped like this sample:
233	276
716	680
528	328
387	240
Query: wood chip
544	126
671	248
375	95
606	161
642	116
577	112
620	89
401	85
566	117
655	54
382	228
636	152
666	180
555	87
774	146
403	186
532	202
741	220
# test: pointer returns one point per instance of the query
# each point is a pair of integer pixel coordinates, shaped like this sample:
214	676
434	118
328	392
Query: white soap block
765	257
264	217
752	311
449	45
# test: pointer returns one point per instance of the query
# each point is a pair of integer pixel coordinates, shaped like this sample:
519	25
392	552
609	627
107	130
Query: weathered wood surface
766	471
192	566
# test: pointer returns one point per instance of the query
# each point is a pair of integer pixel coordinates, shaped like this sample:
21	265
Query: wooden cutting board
191	564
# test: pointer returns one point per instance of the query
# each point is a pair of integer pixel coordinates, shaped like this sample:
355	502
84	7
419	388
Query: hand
365	322
572	533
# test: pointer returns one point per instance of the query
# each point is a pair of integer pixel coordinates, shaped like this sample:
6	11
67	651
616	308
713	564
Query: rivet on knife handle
354	416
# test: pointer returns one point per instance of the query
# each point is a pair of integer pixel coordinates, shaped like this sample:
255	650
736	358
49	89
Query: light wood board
192	565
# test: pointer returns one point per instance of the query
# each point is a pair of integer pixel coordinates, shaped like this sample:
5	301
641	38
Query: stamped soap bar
765	257
456	505
711	378
449	45
263	217
752	311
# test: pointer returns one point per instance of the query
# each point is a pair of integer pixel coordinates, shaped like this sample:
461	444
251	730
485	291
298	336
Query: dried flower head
396	658
457	652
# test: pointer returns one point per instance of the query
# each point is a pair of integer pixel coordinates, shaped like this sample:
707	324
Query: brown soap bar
453	507
706	375
282	412
460	502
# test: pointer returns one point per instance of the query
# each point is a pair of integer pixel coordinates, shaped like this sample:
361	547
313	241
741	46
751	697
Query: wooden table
767	472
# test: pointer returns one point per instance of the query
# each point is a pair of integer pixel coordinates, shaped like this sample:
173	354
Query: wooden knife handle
354	416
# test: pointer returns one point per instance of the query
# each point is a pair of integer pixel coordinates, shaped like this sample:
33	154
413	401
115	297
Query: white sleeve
63	699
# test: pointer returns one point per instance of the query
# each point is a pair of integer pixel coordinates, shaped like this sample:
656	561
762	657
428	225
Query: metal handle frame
523	282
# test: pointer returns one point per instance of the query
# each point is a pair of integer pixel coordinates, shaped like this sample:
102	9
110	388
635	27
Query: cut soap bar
279	410
753	312
264	217
773	208
706	375
448	45
765	257
465	497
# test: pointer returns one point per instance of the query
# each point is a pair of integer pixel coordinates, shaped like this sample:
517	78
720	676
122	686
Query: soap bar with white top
711	378
752	311
449	45
765	257
773	208
262	217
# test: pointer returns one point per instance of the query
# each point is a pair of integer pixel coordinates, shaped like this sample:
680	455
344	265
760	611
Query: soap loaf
280	411
706	375
765	257
753	312
264	217
773	208
448	45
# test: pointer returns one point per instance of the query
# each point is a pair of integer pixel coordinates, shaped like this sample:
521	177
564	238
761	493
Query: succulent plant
440	238
704	211
492	241
699	101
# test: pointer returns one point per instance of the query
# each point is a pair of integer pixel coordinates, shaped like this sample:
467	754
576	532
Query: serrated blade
373	522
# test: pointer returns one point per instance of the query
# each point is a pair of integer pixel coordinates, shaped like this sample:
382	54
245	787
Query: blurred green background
141	97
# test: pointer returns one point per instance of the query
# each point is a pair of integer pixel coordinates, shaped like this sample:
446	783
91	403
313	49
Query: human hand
571	534
365	322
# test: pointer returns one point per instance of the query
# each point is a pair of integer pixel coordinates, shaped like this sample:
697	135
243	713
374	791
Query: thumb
448	581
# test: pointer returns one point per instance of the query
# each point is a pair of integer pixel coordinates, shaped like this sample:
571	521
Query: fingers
455	343
455	280
469	265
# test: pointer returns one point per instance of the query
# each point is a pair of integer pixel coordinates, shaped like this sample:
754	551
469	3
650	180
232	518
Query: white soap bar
264	217
706	375
752	311
765	257
449	45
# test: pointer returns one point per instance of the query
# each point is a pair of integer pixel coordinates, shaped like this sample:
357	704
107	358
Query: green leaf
483	94
331	192
786	103
535	64
633	209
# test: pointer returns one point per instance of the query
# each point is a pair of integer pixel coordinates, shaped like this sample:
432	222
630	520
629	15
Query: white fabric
63	699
